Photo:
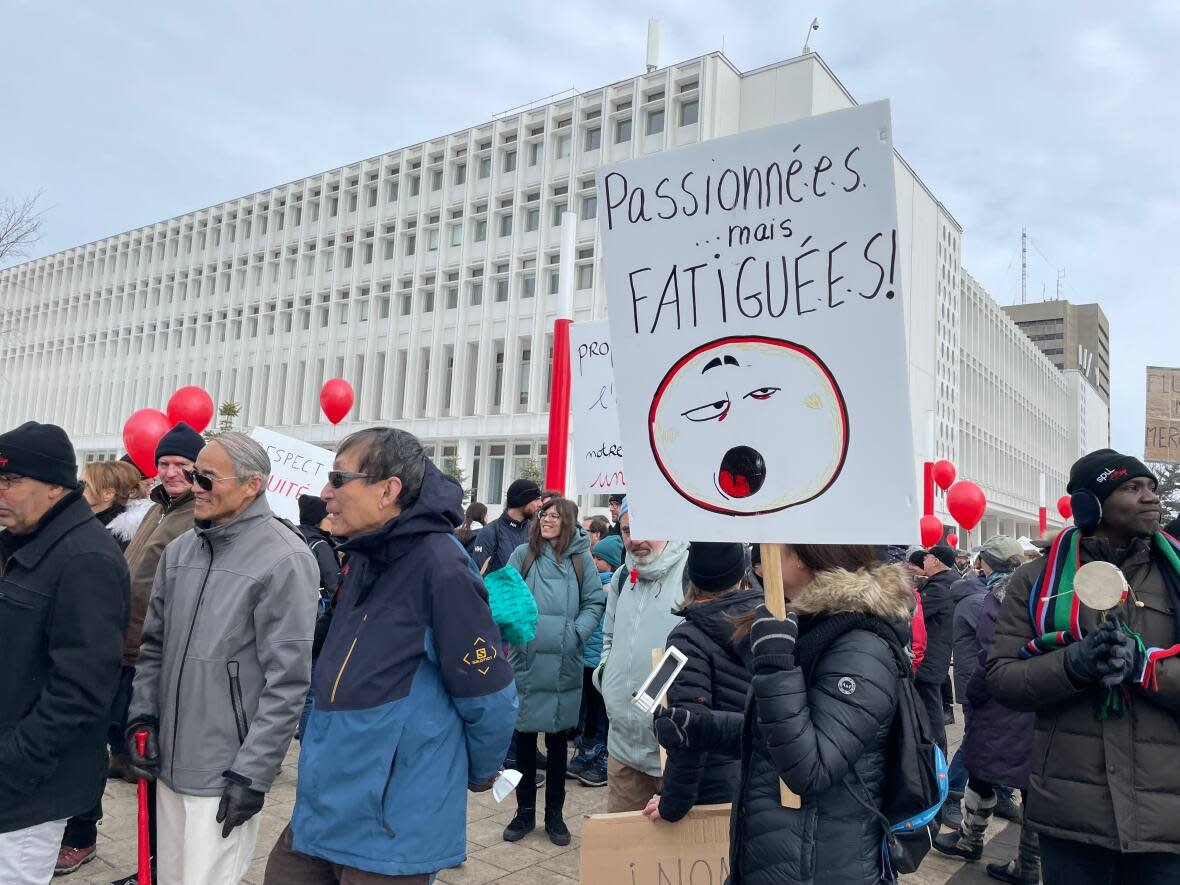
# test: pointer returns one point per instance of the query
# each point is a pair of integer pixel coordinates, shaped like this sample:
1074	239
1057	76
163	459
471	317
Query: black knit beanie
312	510
522	492
1103	471
181	441
715	566
39	451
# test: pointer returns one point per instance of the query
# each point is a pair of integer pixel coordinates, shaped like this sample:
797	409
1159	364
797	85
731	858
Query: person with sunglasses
223	666
414	701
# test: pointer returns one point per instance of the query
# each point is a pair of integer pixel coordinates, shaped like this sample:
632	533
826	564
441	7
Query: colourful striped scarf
1055	610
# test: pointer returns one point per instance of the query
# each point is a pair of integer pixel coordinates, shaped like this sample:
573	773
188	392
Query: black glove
671	727
1126	660
239	803
1089	660
772	642
145	766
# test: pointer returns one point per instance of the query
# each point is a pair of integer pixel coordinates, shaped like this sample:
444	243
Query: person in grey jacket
557	566
642	603
223	666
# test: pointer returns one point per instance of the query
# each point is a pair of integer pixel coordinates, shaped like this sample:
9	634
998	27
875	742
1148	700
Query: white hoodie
643	614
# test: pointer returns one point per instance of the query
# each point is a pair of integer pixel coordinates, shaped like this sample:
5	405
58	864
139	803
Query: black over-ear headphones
1087	511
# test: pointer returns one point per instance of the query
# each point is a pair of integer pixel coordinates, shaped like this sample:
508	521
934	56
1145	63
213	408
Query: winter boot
555	827
1007	808
523	823
968	842
952	810
1025	869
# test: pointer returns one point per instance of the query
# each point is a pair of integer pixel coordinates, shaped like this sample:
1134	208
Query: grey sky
1061	117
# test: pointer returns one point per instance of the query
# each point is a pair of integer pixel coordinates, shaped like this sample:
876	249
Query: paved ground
533	861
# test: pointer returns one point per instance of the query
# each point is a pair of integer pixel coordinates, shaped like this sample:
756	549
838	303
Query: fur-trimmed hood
127	523
884	590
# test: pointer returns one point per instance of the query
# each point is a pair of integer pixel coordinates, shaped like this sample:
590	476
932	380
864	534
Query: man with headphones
1105	786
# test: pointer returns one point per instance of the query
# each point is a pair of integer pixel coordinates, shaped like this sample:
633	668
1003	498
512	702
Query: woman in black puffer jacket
819	718
715	678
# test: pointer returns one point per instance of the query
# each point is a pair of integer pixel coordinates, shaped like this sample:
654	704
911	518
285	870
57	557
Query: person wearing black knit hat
1105	686
938	614
714	679
63	611
495	542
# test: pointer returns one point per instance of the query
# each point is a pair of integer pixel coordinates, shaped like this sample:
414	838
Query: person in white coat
641	600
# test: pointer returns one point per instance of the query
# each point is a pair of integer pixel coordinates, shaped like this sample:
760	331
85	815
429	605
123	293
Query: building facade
1076	337
428	277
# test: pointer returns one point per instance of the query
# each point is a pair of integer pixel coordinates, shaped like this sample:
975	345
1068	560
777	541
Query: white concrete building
428	277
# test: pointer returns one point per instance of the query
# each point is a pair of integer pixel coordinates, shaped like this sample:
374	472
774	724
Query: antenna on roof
653	44
807	42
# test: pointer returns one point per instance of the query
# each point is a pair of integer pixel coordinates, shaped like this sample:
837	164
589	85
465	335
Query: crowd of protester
181	634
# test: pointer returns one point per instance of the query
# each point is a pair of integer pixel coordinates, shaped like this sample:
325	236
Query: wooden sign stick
776	603
656	654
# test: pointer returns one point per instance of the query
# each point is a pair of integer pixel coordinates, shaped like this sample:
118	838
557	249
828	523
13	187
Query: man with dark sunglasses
223	665
414	701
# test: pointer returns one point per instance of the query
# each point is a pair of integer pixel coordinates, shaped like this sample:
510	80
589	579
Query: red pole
145	847
1043	521
559	407
928	488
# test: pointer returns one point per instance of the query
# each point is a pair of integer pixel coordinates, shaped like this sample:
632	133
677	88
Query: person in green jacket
557	566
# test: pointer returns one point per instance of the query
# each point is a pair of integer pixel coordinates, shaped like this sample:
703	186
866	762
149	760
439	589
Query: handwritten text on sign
598	450
756	314
296	468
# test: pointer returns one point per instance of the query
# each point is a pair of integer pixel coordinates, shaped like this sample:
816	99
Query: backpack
916	782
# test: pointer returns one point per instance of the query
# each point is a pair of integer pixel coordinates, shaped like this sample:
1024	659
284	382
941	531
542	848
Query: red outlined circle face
749	425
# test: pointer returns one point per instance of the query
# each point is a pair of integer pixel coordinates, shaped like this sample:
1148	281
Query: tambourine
1101	586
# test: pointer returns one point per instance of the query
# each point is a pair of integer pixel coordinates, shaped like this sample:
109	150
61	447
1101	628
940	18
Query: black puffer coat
715	677
819	733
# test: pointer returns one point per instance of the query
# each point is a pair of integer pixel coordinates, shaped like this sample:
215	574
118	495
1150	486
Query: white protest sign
598	450
756	315
296	468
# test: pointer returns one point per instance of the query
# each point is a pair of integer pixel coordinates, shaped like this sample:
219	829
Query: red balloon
953	540
966	502
944	474
931	530
193	406
336	398
1065	507
141	435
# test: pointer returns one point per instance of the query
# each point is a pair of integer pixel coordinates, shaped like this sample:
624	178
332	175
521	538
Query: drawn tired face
749	425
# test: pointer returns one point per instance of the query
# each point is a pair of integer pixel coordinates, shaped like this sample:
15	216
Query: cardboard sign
296	468
756	314
598	449
629	849
1162	436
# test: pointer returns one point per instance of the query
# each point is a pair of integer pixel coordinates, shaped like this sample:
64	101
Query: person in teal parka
548	670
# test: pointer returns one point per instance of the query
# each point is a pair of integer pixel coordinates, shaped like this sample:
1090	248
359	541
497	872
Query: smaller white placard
296	468
597	445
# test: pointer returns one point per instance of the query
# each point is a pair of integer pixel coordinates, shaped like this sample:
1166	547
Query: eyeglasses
7	481
203	480
337	478
549	516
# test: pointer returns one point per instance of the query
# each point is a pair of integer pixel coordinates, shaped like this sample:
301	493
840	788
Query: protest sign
629	849
756	314
296	468
598	450
1161	439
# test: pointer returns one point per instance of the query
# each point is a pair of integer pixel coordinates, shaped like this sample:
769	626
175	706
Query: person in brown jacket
170	517
1104	791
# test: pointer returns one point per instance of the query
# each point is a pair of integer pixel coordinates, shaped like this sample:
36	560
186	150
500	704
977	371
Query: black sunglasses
337	478
203	480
